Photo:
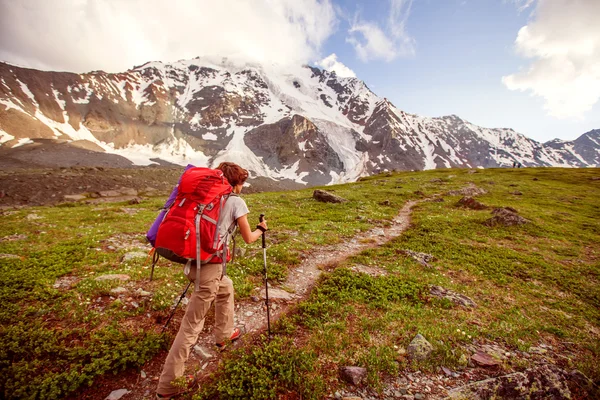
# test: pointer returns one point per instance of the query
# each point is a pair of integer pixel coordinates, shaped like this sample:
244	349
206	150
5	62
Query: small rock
353	375
456	298
134	304
202	352
117	394
118	290
142	292
378	232
277	295
422	258
135	200
74	197
537	350
419	348
255	299
132	255
484	359
419	396
128	192
9	256
143	374
109	193
249	313
32	217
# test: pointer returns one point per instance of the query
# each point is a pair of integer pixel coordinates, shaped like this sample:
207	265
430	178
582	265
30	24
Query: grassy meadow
534	284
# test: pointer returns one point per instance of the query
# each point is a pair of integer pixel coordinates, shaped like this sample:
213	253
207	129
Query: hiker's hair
234	173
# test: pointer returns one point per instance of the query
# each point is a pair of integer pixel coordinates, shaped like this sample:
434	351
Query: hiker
214	286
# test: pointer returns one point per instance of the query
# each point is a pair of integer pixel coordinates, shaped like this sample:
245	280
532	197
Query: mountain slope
300	123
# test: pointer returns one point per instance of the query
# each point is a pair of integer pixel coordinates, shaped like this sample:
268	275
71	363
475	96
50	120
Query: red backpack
190	229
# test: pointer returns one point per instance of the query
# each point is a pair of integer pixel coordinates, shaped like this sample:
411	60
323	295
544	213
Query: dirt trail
252	314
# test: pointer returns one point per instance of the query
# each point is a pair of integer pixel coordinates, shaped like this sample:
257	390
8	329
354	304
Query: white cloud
372	42
83	35
331	63
563	38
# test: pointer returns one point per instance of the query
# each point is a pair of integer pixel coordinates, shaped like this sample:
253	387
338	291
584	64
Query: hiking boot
235	335
192	382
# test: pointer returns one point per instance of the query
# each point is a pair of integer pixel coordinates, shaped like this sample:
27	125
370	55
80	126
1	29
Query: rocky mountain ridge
297	124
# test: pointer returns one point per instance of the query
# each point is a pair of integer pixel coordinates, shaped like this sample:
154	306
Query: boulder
506	216
326	197
469	202
456	298
419	348
353	375
541	382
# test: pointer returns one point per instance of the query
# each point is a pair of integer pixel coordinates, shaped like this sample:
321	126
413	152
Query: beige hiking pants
213	286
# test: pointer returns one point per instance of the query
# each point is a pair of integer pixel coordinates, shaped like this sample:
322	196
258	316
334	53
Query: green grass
533	283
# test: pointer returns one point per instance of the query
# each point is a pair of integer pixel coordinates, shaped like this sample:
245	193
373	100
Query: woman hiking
214	286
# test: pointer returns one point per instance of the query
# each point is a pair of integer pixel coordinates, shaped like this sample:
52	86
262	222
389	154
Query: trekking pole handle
261	218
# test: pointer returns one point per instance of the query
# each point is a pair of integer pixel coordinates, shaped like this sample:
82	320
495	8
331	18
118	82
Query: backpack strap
198	259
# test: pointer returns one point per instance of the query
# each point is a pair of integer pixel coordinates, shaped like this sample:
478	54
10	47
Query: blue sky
462	49
530	65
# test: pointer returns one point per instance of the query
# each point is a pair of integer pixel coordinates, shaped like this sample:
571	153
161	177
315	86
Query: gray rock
278	295
506	216
326	197
541	382
74	197
202	352
118	290
422	258
109	193
142	292
353	375
470	190
419	396
9	256
116	394
456	298
109	277
132	255
128	192
419	348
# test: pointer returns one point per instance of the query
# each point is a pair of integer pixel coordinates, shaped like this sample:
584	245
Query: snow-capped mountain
303	124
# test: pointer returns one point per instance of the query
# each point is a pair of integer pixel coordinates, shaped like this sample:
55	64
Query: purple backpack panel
152	232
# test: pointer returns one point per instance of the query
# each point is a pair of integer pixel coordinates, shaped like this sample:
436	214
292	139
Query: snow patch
5	137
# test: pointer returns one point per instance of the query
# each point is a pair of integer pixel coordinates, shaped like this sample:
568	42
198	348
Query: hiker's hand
263	225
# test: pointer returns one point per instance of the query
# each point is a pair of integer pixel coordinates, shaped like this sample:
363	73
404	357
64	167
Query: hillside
352	284
299	124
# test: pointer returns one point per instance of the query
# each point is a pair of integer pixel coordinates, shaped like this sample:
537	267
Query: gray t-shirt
234	208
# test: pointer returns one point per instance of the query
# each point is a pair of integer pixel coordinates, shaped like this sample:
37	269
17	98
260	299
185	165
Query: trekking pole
175	309
261	218
155	258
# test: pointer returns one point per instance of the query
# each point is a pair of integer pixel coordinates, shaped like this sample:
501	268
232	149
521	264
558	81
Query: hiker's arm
248	234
